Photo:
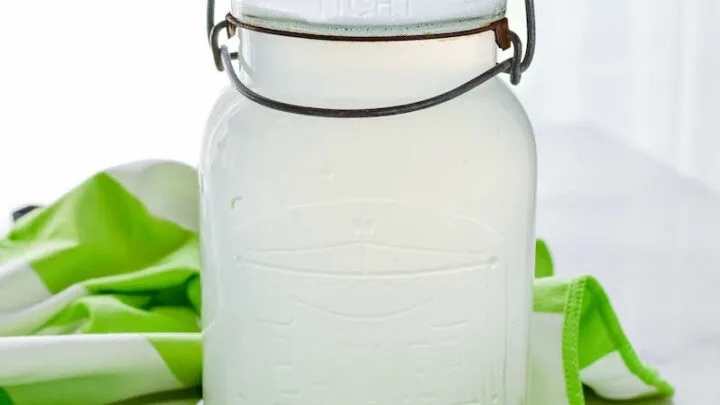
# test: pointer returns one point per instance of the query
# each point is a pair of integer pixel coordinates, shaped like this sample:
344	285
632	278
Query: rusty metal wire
514	66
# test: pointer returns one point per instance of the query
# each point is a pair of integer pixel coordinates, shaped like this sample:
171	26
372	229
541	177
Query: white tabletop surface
651	238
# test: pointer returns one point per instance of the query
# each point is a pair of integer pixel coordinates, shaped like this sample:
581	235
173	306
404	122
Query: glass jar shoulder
490	114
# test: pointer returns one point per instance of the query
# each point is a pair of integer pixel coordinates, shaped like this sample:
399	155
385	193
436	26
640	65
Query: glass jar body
369	261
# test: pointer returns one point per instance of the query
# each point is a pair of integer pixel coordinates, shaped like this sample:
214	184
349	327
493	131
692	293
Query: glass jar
369	260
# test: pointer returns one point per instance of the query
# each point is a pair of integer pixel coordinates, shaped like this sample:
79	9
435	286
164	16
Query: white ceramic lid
369	17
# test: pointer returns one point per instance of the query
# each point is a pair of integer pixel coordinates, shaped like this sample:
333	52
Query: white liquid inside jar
379	261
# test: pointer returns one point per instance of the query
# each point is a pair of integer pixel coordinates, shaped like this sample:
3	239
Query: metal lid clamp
504	37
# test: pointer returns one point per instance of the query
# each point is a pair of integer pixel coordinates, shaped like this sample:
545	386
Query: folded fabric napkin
100	303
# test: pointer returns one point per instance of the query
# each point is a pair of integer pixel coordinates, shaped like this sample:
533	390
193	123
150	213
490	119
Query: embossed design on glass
359	305
365	9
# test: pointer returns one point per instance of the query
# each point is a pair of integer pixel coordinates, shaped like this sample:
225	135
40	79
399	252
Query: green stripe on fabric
182	354
550	295
97	230
601	334
595	334
194	294
543	260
592	331
125	314
187	397
571	341
5	398
177	269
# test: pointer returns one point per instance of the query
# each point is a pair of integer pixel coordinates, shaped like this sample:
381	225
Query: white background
643	71
89	84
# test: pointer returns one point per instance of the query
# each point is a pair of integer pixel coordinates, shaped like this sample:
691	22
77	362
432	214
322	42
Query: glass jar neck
342	74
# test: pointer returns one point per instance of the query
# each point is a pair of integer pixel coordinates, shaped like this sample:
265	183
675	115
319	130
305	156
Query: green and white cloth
100	304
